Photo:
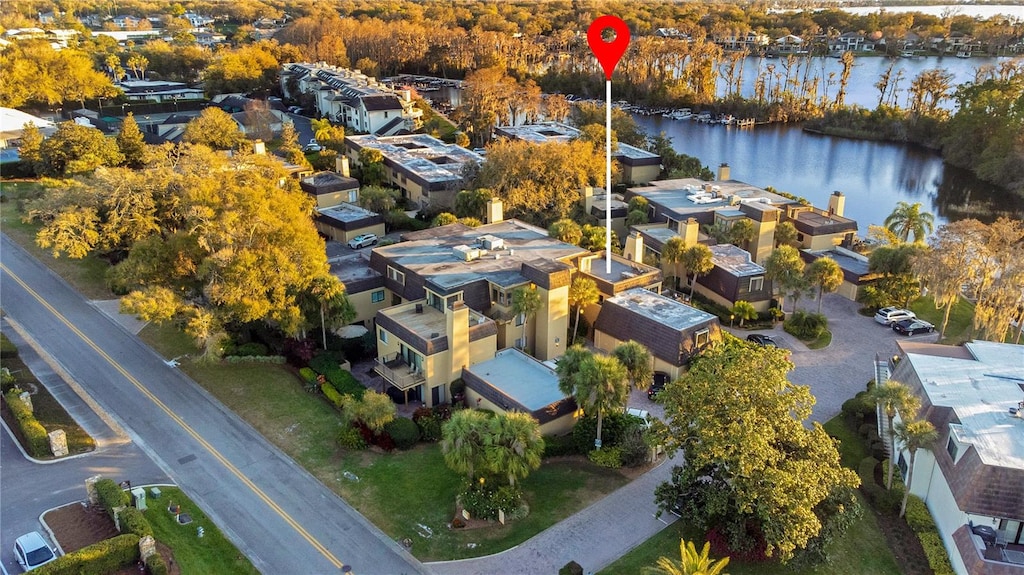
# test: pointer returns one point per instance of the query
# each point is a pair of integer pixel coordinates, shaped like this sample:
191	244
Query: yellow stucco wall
363	303
340	235
607	343
640	174
557	426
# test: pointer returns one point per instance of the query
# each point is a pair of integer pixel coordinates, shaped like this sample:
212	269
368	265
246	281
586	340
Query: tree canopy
752	468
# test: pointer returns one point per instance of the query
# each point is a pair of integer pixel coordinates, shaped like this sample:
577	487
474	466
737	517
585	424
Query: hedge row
133	521
7	348
921	522
98	559
307	375
111	496
279	359
36	441
156	565
332	395
343	381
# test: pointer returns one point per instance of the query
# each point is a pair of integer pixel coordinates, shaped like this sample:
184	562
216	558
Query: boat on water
907	54
680	114
963	54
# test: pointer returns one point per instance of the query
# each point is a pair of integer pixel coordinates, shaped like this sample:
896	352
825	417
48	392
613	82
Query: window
520	319
902	464
353	196
383	336
700	339
799	237
377	296
952	448
396	275
757	284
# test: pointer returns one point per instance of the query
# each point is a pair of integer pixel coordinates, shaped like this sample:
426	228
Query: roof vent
491	242
466	253
434	335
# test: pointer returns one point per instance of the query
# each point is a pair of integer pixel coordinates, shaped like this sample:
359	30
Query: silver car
887	315
31	551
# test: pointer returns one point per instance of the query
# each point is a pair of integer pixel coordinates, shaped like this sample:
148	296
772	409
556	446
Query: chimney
341	166
457	330
836	204
585	264
588	198
723	172
495	211
688	231
259	148
634	247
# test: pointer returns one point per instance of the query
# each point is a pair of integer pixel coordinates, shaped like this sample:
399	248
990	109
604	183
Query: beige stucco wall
551	323
848	290
823	242
340	235
607	343
557	426
364	306
640	174
764	243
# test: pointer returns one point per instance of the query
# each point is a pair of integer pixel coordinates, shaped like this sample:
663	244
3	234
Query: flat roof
981	390
847	260
664	310
687	196
346	212
347	266
435	259
735	260
522	378
622	268
423	155
543	132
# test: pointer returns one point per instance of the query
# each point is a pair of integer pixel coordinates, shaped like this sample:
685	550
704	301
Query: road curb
47	527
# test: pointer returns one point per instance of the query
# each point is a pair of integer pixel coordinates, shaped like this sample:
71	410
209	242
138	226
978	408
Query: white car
312	146
31	551
363	240
887	315
640	413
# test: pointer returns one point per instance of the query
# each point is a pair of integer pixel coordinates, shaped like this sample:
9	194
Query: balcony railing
397	372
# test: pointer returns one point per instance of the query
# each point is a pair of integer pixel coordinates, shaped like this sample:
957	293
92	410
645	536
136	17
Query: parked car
312	146
762	340
640	413
912	326
660	380
363	240
31	551
887	315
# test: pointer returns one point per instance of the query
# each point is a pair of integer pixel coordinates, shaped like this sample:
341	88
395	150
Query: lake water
873	175
974	10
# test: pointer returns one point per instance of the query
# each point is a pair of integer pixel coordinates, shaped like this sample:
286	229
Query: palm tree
582	292
825	273
893	396
335	308
637	361
697	261
908	218
690	562
463	441
742	232
744	310
785	234
602	386
785	268
525	302
672	254
322	129
913	435
515	446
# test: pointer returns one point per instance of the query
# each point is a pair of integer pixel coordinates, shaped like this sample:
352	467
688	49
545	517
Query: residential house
735	277
789	44
637	165
159	91
12	124
672	331
353	99
735	40
972	478
514	381
856	272
614	277
822	229
852	41
363	285
126	21
49	18
673	33
197	20
426	170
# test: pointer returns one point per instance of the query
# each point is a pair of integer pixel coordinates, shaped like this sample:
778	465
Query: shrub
37	443
585	431
278	359
571	568
404	432
100	558
610	457
938	559
860	407
918	517
458	523
806	325
7	381
350	438
485	501
110	495
634	448
7	348
457	387
324	361
346	383
133	521
337	399
430	427
307	374
251	348
868	431
156	565
558	445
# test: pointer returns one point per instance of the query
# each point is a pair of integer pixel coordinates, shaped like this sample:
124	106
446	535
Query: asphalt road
280	516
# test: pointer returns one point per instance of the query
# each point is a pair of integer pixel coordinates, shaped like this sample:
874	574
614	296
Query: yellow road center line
213	451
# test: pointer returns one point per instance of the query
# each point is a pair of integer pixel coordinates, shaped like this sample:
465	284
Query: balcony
397	372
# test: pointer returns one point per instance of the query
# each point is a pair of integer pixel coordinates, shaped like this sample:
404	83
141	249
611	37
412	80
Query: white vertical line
608	177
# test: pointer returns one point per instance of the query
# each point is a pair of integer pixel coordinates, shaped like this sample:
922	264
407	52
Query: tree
76	149
378	199
215	129
913	435
897	284
908	219
515	446
443	219
785	234
597	382
472	203
690	562
290	148
744	310
825	273
326	294
742	232
556	107
131	143
566	230
374	410
672	253
785	268
637	360
893	397
582	293
525	302
464	440
246	69
29	152
697	261
948	265
371	162
752	468
486	97
322	129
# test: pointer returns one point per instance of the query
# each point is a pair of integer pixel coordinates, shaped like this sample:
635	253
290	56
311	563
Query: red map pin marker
608	53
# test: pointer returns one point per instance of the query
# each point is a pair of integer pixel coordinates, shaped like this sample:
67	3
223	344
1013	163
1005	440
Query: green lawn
396	491
87	275
211	553
822	341
861	551
960	319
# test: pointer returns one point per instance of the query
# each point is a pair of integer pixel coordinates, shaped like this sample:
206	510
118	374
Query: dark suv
660	379
761	339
